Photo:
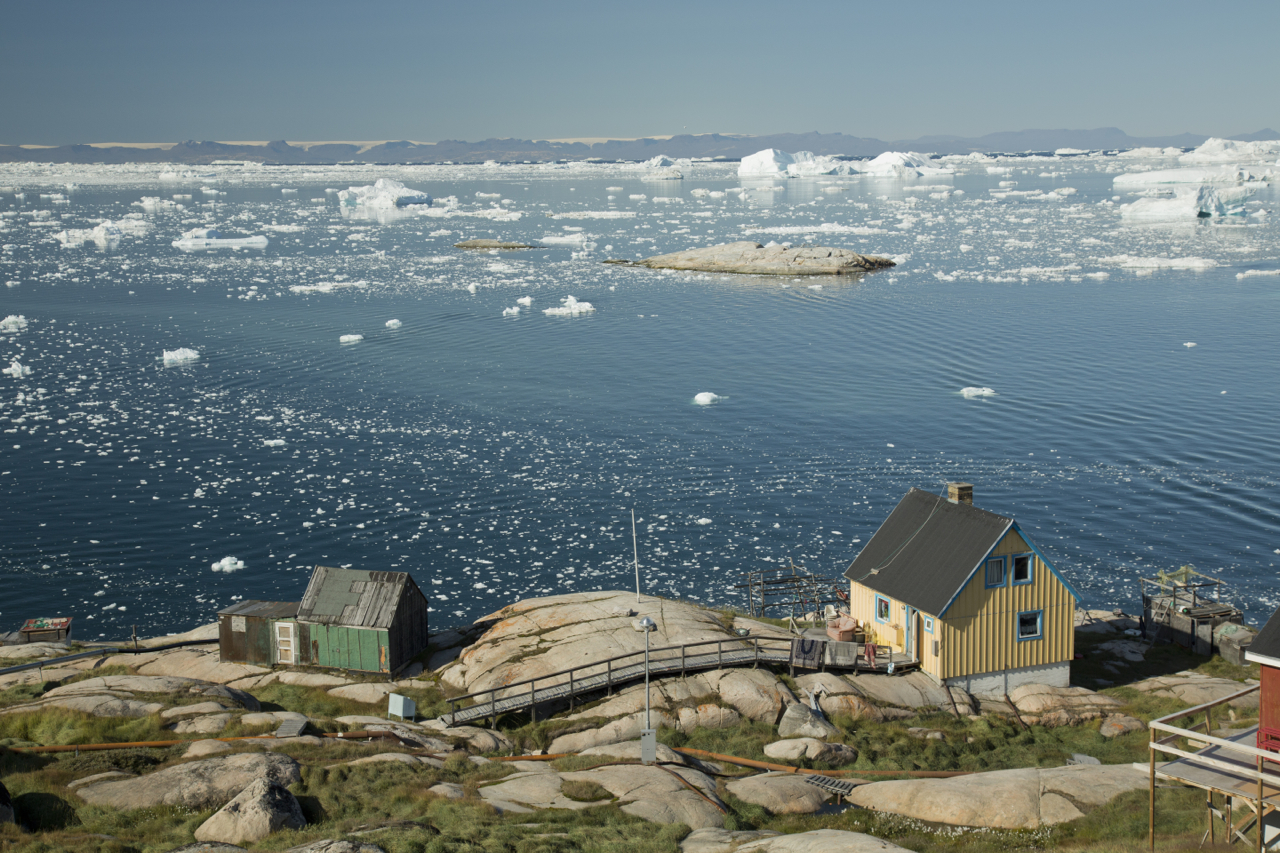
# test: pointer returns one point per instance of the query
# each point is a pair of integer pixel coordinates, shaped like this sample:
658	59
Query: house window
928	624
1031	625
995	572
1022	564
882	609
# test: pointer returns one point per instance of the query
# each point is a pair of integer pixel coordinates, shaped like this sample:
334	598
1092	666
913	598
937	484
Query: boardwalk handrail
739	644
104	652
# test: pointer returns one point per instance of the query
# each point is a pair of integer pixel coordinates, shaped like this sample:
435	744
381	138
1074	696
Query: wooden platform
1233	773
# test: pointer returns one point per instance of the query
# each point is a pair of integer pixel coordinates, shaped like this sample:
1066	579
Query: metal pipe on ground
765	765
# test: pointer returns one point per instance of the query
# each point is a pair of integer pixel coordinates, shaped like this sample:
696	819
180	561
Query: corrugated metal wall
980	629
255	644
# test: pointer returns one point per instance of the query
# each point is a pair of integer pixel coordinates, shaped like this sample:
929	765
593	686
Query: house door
284	642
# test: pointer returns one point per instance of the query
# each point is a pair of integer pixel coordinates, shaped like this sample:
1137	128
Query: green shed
359	620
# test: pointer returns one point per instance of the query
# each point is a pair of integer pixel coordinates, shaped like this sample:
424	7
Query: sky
129	71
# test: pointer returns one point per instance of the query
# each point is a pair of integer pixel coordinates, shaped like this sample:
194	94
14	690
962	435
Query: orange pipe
786	768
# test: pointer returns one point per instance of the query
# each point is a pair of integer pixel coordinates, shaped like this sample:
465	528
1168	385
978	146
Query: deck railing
1250	765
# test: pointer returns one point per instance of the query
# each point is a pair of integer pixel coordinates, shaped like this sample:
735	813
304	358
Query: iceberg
350	339
1189	203
182	355
1219	175
383	194
706	398
105	236
394	324
904	164
13	324
570	307
976	391
772	163
210	238
1215	150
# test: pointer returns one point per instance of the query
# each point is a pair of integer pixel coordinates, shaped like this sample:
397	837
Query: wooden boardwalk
589	678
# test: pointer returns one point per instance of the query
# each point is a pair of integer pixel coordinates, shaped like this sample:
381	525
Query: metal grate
291	728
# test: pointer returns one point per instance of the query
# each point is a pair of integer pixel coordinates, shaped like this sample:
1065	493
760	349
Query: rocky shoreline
1040	758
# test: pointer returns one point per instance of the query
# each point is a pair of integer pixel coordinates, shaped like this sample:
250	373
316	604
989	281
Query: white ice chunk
210	238
350	339
273	442
105	236
526	301
13	324
1208	175
228	564
771	163
1192	202
384	194
706	398
16	370
975	391
182	355
1136	263
513	311
1215	150
904	164
570	307
704	521
394	324
1252	273
1189	344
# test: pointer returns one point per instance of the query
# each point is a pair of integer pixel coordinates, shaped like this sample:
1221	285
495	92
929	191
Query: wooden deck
605	675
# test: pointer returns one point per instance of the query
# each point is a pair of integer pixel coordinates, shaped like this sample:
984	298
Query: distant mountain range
728	147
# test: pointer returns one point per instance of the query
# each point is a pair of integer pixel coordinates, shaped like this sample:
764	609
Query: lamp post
648	737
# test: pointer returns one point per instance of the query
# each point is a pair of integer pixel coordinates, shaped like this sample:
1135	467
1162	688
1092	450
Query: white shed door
284	642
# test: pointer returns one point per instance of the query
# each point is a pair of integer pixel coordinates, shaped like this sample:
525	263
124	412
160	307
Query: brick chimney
960	493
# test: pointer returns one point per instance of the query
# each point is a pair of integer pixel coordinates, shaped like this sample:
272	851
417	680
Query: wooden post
453	714
609	679
493	707
570	690
719	654
533	705
756	663
1261	805
682	660
1151	830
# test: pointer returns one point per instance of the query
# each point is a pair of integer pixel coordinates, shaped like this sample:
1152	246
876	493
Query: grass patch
584	791
64	726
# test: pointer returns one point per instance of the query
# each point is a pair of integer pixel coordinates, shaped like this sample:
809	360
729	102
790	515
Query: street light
648	736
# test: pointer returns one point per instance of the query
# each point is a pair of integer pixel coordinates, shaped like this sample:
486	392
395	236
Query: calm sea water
498	457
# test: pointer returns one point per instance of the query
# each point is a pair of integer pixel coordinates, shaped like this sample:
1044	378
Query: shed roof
1267	642
352	598
262	609
927	549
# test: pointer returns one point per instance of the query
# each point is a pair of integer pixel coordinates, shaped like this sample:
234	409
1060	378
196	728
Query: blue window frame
995	572
882	609
1030	625
1023	571
928	624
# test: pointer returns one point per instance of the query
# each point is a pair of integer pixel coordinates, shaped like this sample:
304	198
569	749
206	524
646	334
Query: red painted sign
61	623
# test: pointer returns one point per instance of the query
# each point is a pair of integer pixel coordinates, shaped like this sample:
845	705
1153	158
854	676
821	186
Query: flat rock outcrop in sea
750	258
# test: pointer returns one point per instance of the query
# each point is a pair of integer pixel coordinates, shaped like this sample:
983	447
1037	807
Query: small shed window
1022	564
995	572
1031	625
882	609
928	624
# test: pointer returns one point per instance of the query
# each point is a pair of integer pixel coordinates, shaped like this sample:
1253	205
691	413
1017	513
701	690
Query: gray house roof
1267	642
354	599
926	549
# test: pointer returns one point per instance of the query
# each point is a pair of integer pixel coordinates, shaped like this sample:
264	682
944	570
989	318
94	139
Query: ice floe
105	236
977	391
525	301
394	324
513	311
1189	344
211	238
13	324
383	194
1192	202
350	339
1208	175
17	370
1254	273
228	564
569	307
706	398
327	286
182	355
1133	262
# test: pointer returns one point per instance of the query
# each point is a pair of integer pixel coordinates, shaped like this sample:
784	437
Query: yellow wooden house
965	593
